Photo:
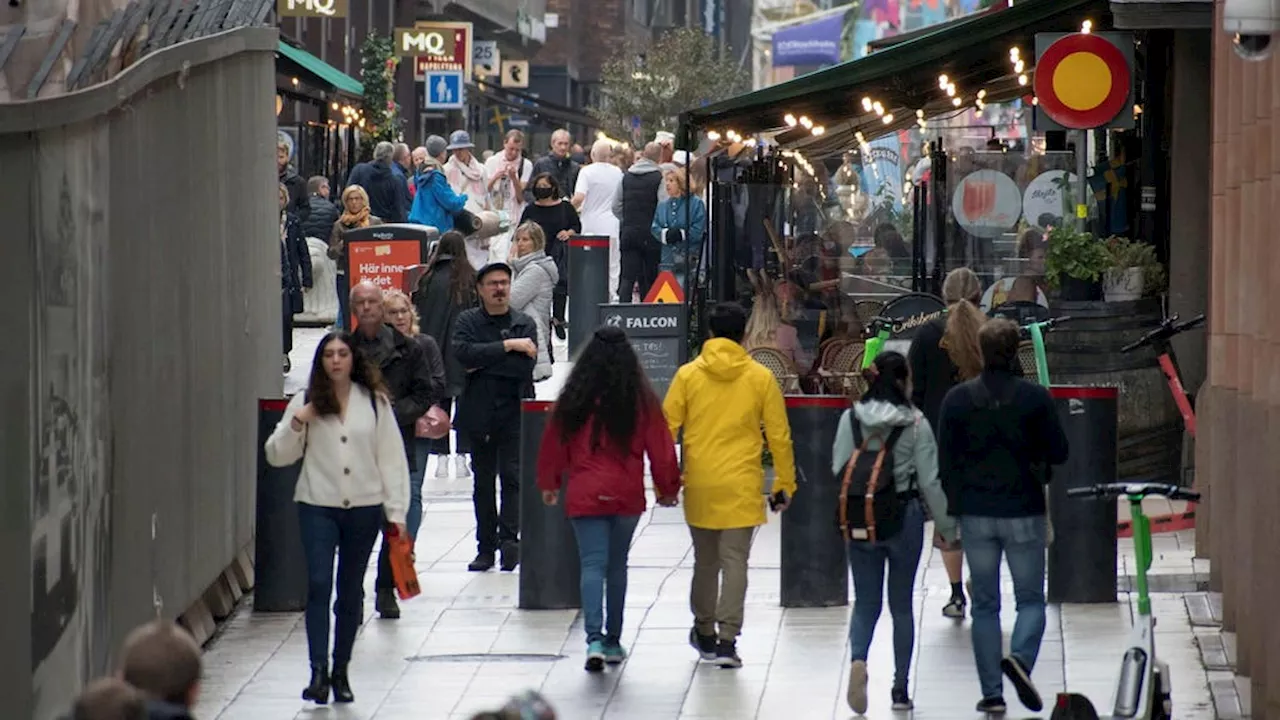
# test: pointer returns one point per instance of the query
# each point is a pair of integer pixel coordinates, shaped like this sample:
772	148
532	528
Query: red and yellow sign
436	46
381	262
1082	81
666	289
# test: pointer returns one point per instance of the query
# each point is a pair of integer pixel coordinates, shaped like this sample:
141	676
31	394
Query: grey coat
535	280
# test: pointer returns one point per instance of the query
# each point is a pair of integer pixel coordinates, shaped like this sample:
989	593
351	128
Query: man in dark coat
323	213
408	376
292	181
498	347
559	163
635	205
388	193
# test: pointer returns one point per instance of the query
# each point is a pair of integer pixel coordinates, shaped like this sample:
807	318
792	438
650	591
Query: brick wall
590	32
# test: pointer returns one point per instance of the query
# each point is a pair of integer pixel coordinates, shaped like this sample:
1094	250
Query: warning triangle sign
666	289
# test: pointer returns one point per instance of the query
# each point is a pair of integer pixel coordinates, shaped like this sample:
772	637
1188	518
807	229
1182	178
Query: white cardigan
356	463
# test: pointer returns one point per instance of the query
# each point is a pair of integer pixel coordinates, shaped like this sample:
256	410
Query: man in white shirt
508	172
593	197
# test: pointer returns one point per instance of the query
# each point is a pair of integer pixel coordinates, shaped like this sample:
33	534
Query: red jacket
603	481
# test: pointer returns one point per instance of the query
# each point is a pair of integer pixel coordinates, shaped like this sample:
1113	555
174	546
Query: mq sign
312	8
436	46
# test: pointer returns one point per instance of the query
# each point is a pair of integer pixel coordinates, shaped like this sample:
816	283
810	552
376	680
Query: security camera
1251	24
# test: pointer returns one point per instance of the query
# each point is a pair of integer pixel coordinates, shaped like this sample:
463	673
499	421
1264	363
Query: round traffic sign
1082	81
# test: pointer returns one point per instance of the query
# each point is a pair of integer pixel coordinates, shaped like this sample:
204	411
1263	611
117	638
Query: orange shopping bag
402	571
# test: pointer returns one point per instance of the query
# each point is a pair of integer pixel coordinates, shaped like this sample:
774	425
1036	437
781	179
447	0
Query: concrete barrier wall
139	290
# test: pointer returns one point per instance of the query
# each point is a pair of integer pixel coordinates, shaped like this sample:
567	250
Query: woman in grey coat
533	286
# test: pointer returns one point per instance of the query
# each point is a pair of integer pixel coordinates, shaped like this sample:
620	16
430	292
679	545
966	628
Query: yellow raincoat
720	400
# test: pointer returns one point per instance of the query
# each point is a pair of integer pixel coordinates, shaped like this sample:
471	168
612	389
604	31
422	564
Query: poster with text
381	262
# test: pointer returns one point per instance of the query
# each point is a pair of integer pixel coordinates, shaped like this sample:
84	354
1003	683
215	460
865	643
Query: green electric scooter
1035	331
879	330
1143	690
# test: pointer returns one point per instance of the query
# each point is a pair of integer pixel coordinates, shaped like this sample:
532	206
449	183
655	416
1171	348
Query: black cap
492	267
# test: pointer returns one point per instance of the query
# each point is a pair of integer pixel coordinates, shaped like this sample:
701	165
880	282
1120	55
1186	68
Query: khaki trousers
719	588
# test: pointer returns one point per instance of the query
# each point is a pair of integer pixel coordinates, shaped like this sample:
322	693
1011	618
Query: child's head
162	660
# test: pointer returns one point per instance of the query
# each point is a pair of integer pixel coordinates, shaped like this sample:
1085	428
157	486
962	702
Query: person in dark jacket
163	661
323	213
434	202
635	205
293	181
109	699
443	292
997	434
388	192
408	378
498	348
558	164
295	270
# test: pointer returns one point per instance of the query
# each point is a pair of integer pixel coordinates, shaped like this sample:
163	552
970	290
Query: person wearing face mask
560	221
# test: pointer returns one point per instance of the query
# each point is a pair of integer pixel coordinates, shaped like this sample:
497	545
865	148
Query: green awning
973	52
323	72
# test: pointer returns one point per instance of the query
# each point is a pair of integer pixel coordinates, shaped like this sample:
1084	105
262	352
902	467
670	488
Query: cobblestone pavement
462	646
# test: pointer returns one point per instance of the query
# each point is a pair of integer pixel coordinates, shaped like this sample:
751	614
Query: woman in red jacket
605	422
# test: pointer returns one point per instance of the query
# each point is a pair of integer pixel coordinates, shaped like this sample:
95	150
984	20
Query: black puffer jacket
319	224
438	313
406	372
639	200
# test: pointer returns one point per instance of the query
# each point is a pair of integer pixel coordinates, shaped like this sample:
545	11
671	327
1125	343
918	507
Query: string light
867	104
1023	80
818	130
955	102
789	119
806	122
943	82
1086	27
713	136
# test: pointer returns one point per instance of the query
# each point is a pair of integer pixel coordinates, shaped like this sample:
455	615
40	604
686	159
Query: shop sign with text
436	46
311	8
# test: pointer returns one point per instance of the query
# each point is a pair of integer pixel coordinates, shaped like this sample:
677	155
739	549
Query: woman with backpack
883	431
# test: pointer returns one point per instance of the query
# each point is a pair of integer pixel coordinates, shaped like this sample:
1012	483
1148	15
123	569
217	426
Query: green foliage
378	63
1124	253
679	72
1074	254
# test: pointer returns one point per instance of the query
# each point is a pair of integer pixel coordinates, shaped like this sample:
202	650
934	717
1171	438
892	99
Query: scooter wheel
1163	705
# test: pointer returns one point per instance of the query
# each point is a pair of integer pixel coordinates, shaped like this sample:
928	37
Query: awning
973	52
321	72
529	105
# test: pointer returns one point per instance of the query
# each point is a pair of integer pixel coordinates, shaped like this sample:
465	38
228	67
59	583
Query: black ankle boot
318	691
341	686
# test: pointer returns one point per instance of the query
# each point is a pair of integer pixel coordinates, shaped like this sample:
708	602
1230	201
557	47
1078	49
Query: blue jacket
435	202
671	214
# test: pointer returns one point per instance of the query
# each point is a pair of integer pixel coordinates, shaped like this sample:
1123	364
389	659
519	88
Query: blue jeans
603	545
343	300
1022	542
351	533
421	450
867	565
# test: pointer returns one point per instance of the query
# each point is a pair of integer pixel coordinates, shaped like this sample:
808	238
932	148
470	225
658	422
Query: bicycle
1143	688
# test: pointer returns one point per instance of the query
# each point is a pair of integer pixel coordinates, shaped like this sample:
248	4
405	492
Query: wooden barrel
1086	351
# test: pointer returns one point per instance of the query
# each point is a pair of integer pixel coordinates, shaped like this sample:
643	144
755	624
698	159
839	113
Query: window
640	11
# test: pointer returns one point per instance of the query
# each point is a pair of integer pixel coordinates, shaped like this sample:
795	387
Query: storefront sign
987	203
911	310
486	58
382	262
311	8
1043	202
437	46
657	334
815	43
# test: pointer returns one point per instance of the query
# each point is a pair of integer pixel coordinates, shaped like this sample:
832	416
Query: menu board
658	334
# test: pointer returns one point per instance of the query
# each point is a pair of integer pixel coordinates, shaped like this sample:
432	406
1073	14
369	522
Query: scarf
468	179
359	219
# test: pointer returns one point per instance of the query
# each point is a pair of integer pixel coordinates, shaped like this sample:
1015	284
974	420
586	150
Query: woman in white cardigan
354	480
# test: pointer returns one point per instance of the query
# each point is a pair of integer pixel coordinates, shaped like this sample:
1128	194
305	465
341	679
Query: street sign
666	289
443	90
657	333
312	8
485	58
515	74
436	46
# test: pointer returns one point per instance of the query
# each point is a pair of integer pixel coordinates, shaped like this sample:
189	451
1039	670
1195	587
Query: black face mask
542	193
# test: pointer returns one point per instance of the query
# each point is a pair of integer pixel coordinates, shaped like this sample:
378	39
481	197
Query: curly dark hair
606	384
363	371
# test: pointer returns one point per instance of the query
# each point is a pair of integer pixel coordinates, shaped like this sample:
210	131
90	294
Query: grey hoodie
639	167
916	451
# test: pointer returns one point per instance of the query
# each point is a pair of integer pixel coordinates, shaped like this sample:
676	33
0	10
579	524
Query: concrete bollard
588	286
549	569
279	564
815	571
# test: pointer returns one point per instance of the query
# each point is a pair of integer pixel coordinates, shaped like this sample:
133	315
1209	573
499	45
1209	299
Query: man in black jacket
559	163
498	347
323	213
635	204
388	191
997	433
408	377
293	182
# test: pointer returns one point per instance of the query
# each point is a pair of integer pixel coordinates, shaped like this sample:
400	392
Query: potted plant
1128	261
1075	263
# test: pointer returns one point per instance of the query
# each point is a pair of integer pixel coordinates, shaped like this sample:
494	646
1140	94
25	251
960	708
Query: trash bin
1082	558
814	566
280	568
588	286
548	550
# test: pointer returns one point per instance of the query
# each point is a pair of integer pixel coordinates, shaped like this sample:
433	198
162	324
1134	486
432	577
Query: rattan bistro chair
784	371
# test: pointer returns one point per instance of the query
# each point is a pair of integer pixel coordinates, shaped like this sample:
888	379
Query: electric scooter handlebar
1141	489
879	321
1044	325
1168	328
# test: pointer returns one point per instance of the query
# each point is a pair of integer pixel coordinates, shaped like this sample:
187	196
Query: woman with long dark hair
559	221
448	288
943	354
606	421
885	415
354	480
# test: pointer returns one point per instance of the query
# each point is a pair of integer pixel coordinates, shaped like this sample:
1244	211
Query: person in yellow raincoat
720	400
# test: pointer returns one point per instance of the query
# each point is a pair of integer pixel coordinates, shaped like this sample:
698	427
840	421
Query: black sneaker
704	644
510	556
992	706
560	327
901	699
955	608
1021	679
386	605
482	563
727	654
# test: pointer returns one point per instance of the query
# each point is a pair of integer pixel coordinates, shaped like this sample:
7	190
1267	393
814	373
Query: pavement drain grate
1172	583
488	657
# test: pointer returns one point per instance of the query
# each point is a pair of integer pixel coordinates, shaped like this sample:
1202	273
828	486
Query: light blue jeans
1021	540
867	563
604	542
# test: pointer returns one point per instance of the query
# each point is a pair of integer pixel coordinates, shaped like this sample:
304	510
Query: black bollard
280	568
588	286
1082	558
815	571
548	550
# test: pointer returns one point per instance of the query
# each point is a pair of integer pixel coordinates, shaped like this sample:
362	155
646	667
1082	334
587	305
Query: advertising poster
381	262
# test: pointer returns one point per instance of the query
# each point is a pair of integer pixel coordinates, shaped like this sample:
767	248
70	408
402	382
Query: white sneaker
460	468
442	467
